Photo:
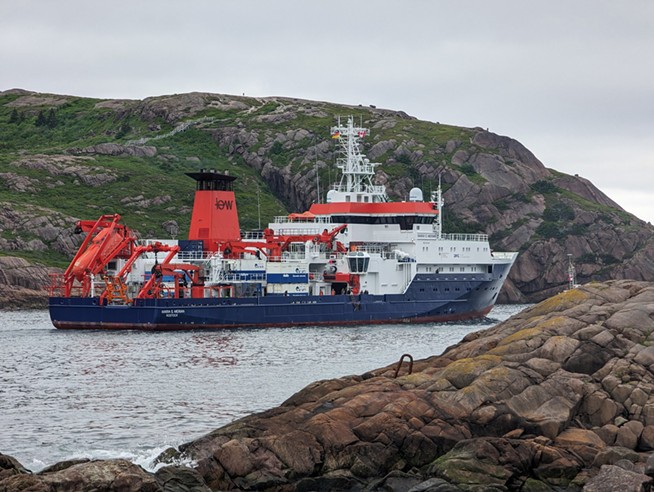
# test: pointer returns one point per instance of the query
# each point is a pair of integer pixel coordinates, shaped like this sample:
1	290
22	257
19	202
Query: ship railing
290	256
241	277
307	231
252	235
358	168
282	219
464	237
194	255
373	190
372	249
383	252
57	287
501	255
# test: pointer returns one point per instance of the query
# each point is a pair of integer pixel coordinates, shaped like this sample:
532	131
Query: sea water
131	394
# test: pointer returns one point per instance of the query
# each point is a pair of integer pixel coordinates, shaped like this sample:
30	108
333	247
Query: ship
354	258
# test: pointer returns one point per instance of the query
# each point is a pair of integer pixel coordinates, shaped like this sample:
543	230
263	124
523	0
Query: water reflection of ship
206	351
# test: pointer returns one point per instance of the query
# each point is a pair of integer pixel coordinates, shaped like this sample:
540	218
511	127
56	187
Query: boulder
611	478
180	479
110	476
10	466
23	285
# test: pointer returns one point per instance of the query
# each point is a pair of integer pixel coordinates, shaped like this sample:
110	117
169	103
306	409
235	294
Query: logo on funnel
224	204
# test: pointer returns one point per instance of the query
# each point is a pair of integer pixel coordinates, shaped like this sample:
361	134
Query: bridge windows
405	222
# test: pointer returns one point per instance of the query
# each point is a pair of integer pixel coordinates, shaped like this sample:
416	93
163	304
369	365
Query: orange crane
106	239
276	244
153	287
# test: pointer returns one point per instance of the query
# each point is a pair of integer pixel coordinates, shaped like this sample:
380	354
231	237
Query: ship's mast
437	197
358	171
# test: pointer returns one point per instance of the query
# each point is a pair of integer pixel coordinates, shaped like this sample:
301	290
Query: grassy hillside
50	125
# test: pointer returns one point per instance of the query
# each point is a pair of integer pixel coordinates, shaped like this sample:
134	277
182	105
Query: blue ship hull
430	297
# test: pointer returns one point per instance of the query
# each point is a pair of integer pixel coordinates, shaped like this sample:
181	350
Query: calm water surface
98	394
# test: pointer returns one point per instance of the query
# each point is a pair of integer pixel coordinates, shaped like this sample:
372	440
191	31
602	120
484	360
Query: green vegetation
549	230
545	187
404	159
595	259
521	197
605	211
502	205
559	212
473	175
452	223
557	220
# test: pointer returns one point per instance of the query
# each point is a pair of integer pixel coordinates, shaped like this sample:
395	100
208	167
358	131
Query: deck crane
106	239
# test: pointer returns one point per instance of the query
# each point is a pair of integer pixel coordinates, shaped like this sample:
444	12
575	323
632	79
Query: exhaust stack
215	218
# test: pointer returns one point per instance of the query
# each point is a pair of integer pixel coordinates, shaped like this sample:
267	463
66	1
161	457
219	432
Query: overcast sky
571	80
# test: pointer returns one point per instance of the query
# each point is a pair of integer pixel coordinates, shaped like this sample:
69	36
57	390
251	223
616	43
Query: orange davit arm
106	239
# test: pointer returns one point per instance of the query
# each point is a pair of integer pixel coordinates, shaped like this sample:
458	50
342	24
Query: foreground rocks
118	475
559	397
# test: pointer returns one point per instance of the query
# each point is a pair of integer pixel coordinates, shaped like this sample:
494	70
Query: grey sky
572	80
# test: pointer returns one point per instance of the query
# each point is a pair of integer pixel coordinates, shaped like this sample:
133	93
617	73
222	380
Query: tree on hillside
14	117
40	119
51	119
125	128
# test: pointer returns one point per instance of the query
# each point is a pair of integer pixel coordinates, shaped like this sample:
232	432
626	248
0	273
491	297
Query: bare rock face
80	168
118	150
296	190
19	183
23	285
175	107
33	227
30	99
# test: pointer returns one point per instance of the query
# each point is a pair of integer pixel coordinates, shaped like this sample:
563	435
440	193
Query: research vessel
357	258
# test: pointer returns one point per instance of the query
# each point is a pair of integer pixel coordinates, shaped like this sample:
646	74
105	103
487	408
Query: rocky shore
559	397
22	284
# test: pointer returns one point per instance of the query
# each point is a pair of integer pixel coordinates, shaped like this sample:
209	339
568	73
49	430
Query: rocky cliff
22	284
559	397
90	156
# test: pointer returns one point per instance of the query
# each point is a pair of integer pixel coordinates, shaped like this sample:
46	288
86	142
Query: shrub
403	158
549	230
468	170
544	187
277	148
587	258
559	212
609	260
